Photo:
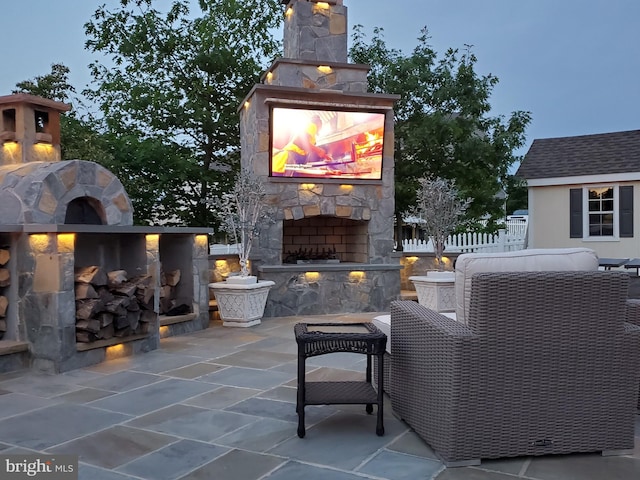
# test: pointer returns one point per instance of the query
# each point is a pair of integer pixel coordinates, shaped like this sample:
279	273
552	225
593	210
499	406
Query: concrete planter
436	290
241	304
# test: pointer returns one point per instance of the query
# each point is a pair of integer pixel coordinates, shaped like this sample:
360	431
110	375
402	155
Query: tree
442	122
174	82
438	209
243	211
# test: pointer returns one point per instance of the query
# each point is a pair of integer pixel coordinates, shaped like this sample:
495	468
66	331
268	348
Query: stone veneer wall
316	31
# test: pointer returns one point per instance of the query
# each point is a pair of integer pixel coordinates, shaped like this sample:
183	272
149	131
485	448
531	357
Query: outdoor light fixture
202	240
311	276
307	186
289	12
325	68
247	104
163	330
356	275
66	242
269	76
39	242
114	351
322	5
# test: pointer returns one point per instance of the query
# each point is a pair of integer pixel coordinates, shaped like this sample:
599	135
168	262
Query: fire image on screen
326	143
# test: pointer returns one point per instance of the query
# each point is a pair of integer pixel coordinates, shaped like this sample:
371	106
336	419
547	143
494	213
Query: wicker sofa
546	364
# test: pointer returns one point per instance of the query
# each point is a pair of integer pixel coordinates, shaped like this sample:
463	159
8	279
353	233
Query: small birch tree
241	212
438	211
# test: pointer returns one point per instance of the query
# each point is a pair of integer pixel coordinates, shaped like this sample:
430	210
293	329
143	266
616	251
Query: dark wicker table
322	338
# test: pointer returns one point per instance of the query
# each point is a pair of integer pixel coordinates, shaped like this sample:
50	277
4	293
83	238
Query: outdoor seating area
221	403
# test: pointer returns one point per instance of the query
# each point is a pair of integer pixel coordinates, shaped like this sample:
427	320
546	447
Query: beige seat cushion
533	260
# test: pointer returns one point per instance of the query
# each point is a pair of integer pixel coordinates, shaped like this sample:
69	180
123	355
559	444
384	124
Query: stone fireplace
82	284
330	247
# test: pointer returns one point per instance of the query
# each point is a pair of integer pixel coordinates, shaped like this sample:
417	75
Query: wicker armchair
545	365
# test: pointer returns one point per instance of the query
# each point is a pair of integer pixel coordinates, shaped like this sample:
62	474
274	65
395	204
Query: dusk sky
574	64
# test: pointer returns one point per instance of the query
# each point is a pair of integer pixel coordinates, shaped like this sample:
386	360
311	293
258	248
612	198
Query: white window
601	211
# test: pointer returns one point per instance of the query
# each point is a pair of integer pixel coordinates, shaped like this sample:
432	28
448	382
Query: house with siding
582	193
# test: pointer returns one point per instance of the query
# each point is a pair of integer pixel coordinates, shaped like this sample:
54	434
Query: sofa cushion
533	260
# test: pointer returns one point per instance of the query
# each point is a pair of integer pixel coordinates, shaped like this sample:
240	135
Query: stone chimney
316	31
29	129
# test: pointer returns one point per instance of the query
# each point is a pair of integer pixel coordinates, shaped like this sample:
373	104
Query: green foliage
54	85
517	194
170	93
443	127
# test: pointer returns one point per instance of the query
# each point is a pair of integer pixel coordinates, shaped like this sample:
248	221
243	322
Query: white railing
471	242
222	249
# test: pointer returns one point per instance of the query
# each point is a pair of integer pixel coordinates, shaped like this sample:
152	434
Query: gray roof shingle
604	153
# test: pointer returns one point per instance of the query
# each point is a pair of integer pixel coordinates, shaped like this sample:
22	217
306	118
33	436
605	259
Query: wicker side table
322	338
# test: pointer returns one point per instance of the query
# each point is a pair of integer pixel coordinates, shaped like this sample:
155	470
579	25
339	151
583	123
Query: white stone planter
241	304
436	290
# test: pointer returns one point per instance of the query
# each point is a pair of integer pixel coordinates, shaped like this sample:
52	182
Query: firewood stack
170	304
109	304
5	281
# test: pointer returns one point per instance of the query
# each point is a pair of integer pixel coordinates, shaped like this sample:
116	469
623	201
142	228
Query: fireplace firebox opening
325	239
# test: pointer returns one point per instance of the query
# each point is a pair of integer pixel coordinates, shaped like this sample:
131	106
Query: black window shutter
575	213
626	211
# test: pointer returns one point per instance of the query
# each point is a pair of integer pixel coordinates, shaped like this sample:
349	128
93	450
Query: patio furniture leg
380	425
369	407
301	396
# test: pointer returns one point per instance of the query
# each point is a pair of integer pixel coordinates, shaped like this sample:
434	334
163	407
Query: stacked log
170	304
109	304
5	281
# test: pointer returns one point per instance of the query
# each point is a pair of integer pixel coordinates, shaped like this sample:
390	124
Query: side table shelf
323	338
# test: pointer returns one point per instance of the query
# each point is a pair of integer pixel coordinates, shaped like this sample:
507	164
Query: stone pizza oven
80	283
330	247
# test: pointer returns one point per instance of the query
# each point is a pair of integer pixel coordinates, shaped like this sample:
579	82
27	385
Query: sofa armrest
633	311
431	359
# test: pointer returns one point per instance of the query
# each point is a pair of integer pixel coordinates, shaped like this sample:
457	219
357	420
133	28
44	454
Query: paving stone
193	422
470	473
53	425
115	446
284	394
235	465
17	403
222	397
123	381
247	377
193	371
89	472
285	411
84	395
583	467
411	444
297	471
343	441
256	359
152	397
173	461
260	436
399	466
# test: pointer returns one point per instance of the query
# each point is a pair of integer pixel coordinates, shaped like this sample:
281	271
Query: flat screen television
326	143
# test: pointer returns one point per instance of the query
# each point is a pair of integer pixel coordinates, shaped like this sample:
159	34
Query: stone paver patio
220	404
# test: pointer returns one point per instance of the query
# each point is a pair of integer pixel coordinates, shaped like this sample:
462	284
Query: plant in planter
242	298
439	211
242	212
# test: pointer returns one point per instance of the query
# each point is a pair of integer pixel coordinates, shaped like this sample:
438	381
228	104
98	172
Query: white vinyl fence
513	237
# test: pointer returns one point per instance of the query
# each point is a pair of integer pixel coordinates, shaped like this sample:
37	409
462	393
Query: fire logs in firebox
5	280
109	304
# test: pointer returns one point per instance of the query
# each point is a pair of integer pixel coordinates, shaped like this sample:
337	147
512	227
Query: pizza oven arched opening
84	211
